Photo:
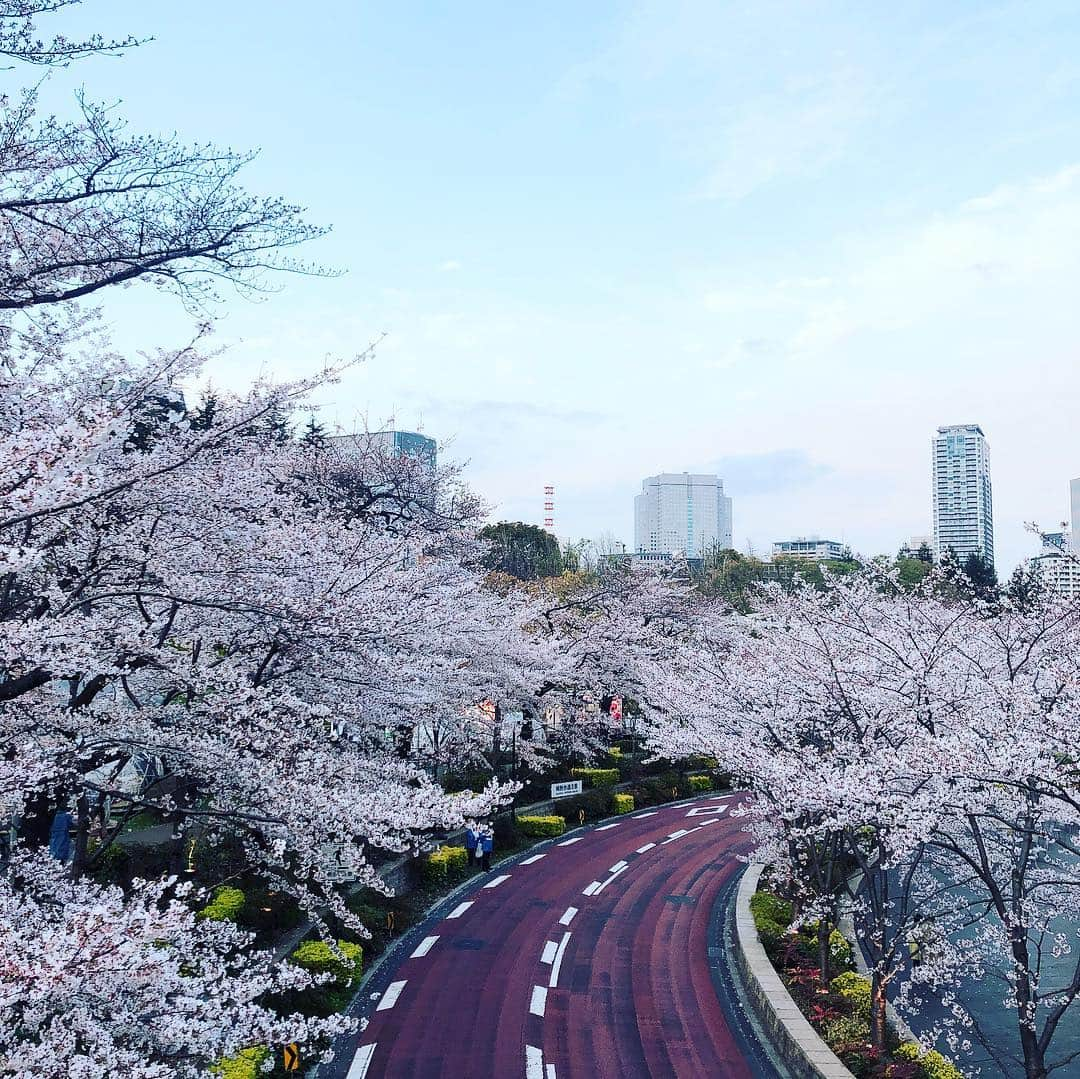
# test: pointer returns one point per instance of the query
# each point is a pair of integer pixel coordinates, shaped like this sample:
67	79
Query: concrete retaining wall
798	1044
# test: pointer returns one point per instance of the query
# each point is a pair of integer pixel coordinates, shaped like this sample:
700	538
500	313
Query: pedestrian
471	838
60	836
485	845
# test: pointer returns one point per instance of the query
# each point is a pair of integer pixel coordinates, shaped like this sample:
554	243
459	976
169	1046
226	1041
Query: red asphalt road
634	996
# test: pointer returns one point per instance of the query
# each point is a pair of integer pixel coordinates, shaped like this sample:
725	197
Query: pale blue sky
611	239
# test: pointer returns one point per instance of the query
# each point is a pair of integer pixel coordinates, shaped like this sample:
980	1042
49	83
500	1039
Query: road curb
800	1046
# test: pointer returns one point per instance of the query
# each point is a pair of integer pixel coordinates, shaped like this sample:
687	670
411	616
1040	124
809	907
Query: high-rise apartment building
1074	514
963	501
678	512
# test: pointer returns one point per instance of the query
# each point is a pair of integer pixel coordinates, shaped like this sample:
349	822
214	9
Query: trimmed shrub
444	865
700	783
847	1032
615	752
935	1066
855	990
247	1064
541	826
908	1051
840	950
596	804
597	777
622	803
317	957
771	934
771	907
225	906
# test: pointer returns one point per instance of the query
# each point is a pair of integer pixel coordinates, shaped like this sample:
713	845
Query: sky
781	241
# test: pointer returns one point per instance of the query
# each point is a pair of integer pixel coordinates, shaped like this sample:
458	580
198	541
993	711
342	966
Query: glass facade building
963	498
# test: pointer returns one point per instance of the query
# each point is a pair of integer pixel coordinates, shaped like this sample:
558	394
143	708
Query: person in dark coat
60	836
471	838
485	845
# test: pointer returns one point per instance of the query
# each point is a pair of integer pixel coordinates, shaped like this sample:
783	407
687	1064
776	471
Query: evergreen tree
314	436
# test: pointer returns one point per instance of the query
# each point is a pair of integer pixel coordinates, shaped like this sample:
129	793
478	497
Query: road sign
564	790
291	1057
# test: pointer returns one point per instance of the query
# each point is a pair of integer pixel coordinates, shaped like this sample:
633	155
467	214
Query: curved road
586	957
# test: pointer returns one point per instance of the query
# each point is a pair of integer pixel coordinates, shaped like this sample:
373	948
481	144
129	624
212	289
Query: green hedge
932	1065
318	957
597	777
225	906
700	783
247	1064
623	803
541	826
445	865
855	989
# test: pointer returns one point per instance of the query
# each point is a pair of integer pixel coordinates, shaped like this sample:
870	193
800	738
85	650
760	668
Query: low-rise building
810	548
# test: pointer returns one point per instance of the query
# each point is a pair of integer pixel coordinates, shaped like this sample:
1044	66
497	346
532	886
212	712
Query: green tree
912	572
314	436
522	551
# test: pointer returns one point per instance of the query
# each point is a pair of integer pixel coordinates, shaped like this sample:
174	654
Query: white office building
810	548
681	513
1074	514
1058	564
963	501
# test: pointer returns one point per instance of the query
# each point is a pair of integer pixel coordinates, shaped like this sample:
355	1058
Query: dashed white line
539	1000
551	1071
557	965
534	858
642	850
674	835
362	1061
568	917
460	909
424	947
605	827
651	813
591	889
389	998
497	881
550	948
534	1062
568	842
604	884
617	866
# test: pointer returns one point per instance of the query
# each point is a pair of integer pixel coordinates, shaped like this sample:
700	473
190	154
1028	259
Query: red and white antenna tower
549	508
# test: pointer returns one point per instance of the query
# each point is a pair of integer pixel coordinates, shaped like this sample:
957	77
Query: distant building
1057	563
912	547
681	513
811	548
1074	513
963	500
389	443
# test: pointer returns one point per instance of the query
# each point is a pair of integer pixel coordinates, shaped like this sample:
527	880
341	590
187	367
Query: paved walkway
587	957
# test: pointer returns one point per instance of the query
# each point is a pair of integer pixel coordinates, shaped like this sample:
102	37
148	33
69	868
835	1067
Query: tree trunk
824	931
1034	1063
82	835
878	1019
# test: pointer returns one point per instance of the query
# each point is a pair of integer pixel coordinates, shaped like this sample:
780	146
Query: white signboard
564	790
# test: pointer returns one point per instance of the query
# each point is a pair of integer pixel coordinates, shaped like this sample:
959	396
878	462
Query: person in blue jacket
485	845
60	846
471	838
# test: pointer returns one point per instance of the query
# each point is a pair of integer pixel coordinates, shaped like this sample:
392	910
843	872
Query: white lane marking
711	820
605	827
497	881
674	835
567	842
591	889
605	883
557	965
706	811
534	1062
362	1061
550	948
424	947
539	1000
617	866
534	858
651	813
568	917
551	1071
642	850
389	998
460	909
